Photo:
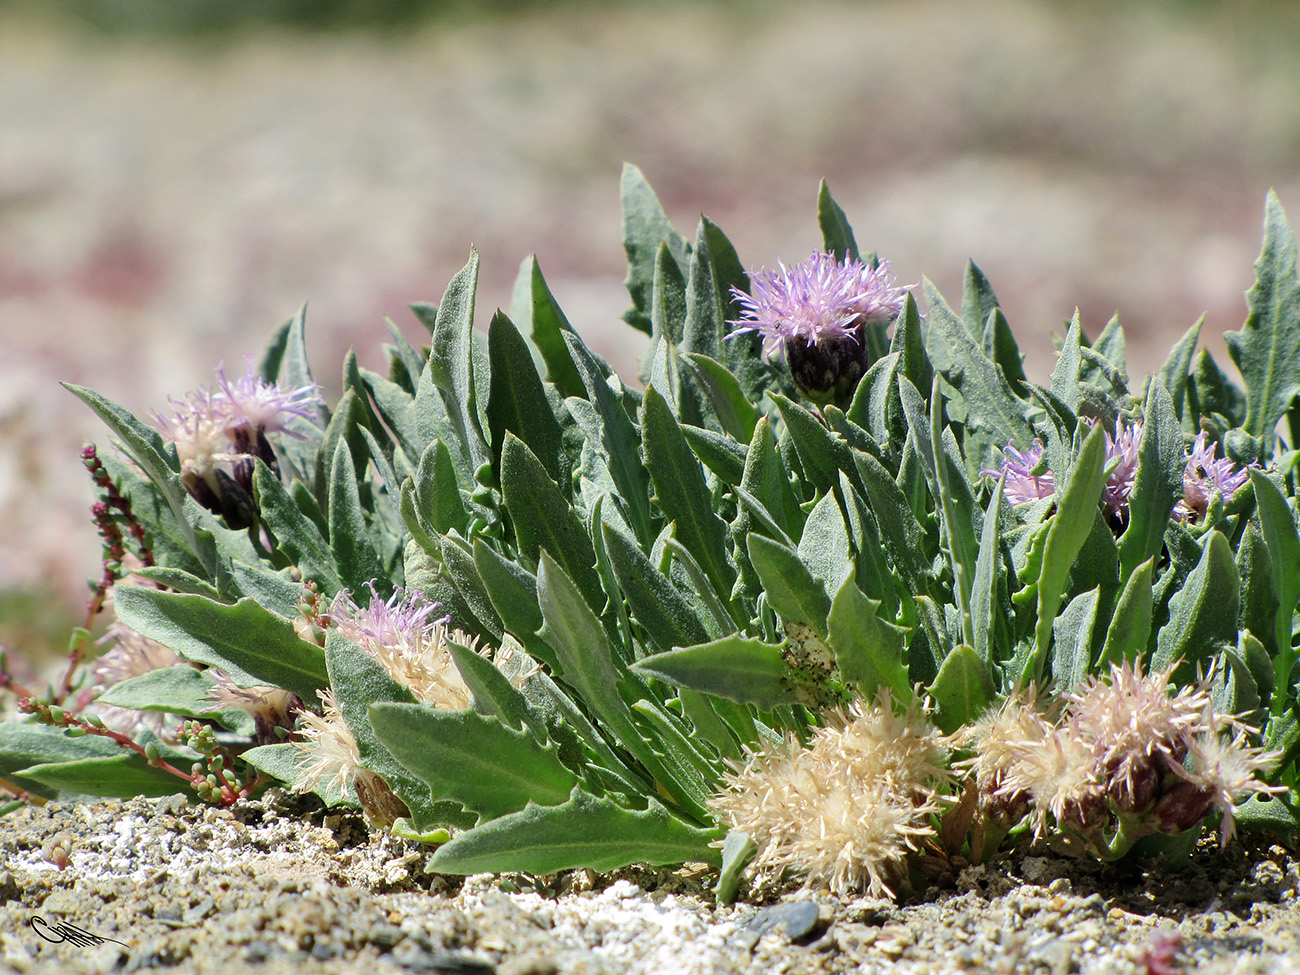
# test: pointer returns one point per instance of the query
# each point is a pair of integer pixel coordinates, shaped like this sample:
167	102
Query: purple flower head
219	432
1121	467
814	312
404	620
1204	477
250	401
1023	485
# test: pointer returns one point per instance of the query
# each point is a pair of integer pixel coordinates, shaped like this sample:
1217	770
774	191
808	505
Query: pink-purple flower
815	312
1204	477
218	433
1025	483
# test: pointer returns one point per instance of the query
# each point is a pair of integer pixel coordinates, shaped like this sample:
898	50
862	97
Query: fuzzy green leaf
1072	652
122	775
653	599
731	405
451	362
585	832
543	519
1203	613
534	308
737	668
681	491
1267	348
962	690
1159	480
1130	625
517	401
252	645
479	762
837	235
350	544
296	535
791	588
868	649
1176	369
645	229
180	689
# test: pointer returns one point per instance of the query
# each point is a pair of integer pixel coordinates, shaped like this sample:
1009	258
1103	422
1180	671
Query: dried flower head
846	810
1204	477
1138	727
815	312
998	740
271	708
328	755
1225	767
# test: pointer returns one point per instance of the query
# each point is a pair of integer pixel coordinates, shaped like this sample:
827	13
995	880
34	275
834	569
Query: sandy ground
163	206
272	886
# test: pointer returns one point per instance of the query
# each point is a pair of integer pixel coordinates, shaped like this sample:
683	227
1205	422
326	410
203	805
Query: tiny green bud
75	732
151	751
94	719
57	715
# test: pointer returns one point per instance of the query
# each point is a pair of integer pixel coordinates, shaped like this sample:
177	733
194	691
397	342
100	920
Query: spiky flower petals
1128	755
219	433
403	634
815	312
328	755
271	708
1204	477
845	811
1024	481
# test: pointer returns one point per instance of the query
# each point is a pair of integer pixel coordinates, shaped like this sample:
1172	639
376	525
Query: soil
280	884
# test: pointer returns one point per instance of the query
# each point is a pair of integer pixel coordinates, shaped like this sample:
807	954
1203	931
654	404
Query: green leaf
253	646
587	664
180	689
1072	652
1212	392
280	762
715	270
513	591
431	503
900	532
585	832
533	307
735	413
737	850
822	453
1267	348
296	535
718	452
868	650
667	616
122	775
458	560
1259	602
494	695
1203	613
963	689
517	402
680	489
1283	543
451	362
1076	512
487	767
1130	625
990	402
645	228
543	519
1159	480
354	554
737	668
791	589
985	584
1176	369
605	421
668	297
24	745
837	235
978	301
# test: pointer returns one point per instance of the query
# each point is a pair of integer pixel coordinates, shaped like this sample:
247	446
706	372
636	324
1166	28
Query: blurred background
178	176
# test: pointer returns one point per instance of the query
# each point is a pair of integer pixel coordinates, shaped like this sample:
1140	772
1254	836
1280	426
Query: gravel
282	885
